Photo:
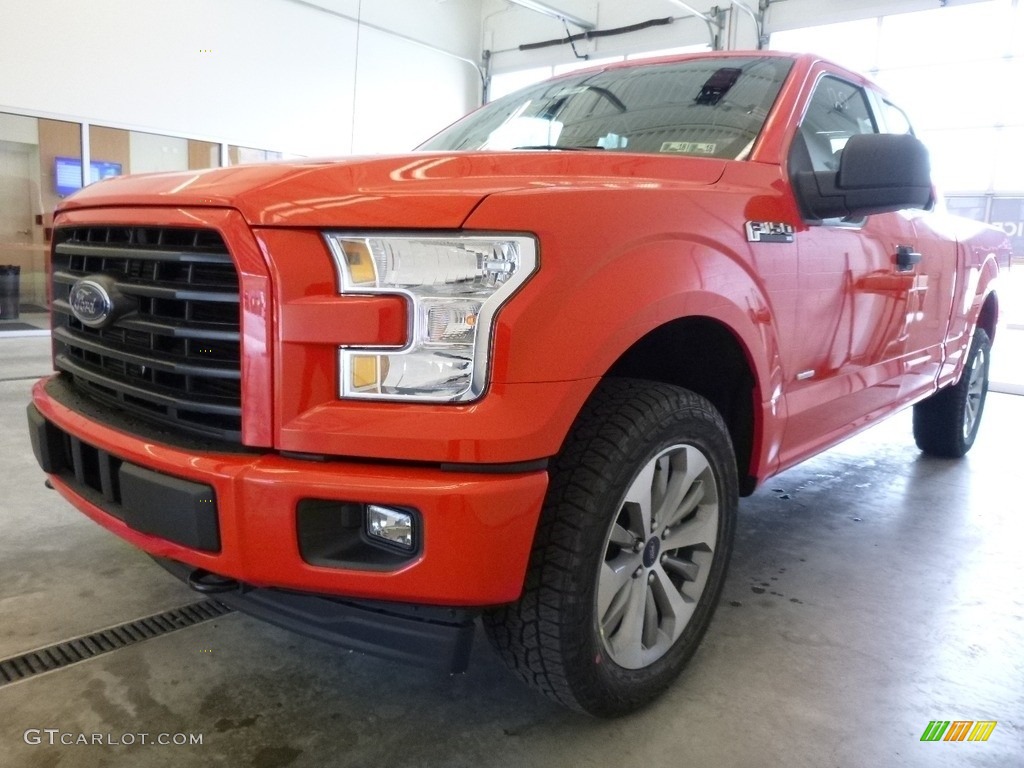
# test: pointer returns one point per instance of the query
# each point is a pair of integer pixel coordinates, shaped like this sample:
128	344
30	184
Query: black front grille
171	353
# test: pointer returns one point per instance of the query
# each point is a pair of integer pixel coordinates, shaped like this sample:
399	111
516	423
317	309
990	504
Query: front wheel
946	424
630	553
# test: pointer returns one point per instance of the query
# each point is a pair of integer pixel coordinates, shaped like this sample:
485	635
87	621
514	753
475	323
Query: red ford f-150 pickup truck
522	374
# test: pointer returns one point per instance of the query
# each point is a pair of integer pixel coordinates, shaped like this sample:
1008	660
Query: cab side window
838	110
895	119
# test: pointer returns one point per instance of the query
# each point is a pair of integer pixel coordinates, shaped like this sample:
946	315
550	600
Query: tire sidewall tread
549	637
938	420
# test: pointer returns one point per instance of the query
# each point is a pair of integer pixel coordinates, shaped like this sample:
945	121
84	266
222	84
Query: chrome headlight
455	285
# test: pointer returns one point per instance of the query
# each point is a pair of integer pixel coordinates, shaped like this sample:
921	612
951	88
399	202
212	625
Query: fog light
393	526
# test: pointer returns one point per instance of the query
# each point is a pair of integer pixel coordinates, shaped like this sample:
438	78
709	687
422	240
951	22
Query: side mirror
878	173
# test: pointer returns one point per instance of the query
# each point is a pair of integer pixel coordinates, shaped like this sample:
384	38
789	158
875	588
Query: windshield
710	107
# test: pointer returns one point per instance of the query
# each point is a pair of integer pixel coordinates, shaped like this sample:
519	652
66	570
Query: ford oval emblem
91	303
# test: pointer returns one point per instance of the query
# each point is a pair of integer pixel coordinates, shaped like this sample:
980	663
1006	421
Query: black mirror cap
878	173
873	160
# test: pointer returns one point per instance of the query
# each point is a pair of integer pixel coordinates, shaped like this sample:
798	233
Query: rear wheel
630	553
946	424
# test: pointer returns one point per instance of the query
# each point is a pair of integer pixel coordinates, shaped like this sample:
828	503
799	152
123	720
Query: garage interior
872	589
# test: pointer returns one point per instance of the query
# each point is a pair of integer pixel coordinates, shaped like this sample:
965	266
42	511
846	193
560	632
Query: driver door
852	301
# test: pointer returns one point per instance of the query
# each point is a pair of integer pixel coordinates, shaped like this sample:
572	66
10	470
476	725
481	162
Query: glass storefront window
678	51
1008	214
1005	212
203	154
564	69
970	207
115	152
935	36
109	153
152	153
244	155
954	95
41	163
963	159
956	71
510	82
850	43
1009	173
37	157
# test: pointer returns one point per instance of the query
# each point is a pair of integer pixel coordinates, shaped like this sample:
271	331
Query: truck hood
412	191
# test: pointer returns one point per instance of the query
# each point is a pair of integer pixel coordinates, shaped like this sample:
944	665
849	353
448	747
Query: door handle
906	258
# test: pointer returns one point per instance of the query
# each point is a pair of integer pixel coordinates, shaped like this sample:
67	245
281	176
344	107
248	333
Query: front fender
574	323
643	256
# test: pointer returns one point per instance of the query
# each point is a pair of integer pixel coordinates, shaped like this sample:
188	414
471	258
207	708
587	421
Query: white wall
275	74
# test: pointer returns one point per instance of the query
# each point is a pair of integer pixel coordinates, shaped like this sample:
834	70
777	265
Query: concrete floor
872	590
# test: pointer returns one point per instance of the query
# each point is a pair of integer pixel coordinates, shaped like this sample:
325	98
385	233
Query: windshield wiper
556	146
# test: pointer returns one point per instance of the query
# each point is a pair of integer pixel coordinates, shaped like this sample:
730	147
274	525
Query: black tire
629	433
946	424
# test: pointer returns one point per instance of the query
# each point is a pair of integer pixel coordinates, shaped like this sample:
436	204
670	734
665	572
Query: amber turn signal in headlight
455	285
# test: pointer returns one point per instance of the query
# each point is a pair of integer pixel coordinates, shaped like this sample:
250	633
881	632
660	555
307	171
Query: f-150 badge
769	232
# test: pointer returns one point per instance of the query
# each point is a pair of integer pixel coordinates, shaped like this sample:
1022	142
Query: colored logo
91	303
959	730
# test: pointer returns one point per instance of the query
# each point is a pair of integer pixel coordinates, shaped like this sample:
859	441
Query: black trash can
10	287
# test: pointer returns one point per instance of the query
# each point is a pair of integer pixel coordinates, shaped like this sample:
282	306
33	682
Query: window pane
955	70
1009	175
838	110
1010	78
152	152
970	207
896	120
949	95
110	152
564	69
937	36
509	82
40	161
1008	215
963	160
850	43
1016	31
243	155
203	154
669	52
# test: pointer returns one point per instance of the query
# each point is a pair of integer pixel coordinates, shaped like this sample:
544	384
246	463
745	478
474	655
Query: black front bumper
150	502
185	512
426	636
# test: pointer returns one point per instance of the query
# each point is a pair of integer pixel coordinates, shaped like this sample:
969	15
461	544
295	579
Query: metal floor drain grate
86	647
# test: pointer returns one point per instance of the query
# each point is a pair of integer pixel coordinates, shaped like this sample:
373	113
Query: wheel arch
702	300
704	355
988	318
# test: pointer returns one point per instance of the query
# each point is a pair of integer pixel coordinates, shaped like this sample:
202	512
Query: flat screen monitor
67	173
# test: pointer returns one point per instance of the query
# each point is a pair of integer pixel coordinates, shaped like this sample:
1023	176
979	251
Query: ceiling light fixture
548	10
